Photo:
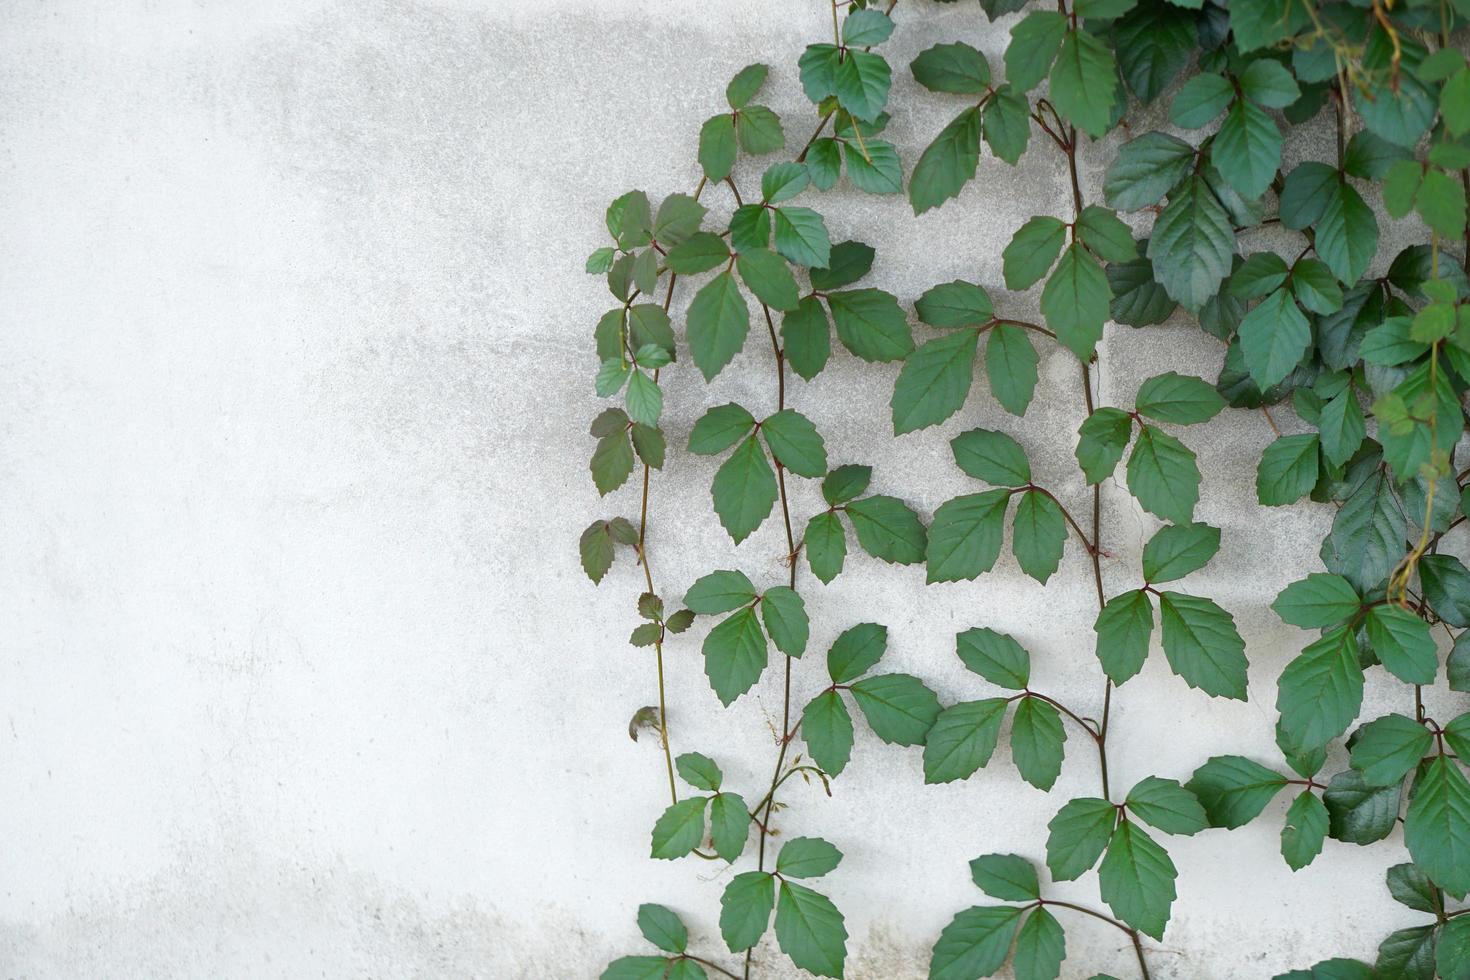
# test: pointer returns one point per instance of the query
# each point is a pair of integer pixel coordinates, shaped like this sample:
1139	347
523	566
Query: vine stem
1130	932
787	732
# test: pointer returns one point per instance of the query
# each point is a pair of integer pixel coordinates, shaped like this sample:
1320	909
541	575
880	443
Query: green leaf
1317	601
1341	427
947	163
806	338
1006	124
1305	193
612	462
734	655
965	537
962	739
679	217
786	620
1163	476
1164	804
759	130
1402	642
1178	398
827	727
1274	337
1041	946
744	490
1387	748
818	65
1105	235
1103	436
1153	44
1367	536
750	227
1038	535
637	968
955	304
825	544
1136	879
855	652
1260	274
699	771
718	322
1233	790
846	482
645	402
1200	100
1288	470
1347	234
1032	251
1035	41
729	825
1267	83
717	147
1452	951
824	163
795	443
1192	244
1076	301
1314	288
767	276
663	928
1407	953
1008	877
1457	666
1447	588
975	943
956	68
898	707
1203	646
862	28
1036	742
1176	550
1305	831
1077	836
1358	813
596	549
719	429
1369	157
1320	692
934	382
1247	149
997	657
680	829
887	529
1440	201
879	172
745	909
1146	169
1412	887
807	857
801	236
1010	365
861	84
744	85
1437	825
1124	627
601	260
850	262
871	324
993	457
1084	82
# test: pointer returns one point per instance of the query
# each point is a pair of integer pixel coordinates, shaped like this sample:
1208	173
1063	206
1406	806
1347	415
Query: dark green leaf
1163	476
993	457
997	657
1176	550
827	728
744	490
806	337
1036	742
1136	879
1164	804
962	739
745	909
965	537
1234	790
717	147
1437	825
1202	645
734	655
1305	830
718	322
807	857
955	304
1083	82
855	652
1387	748
887	529
1123	630
1288	470
1192	244
785	616
729	822
663	928
1032	251
1320	692
801	236
1076	301
1038	535
1035	41
956	68
1008	877
1402	642
795	443
1146	169
680	829
934	382
871	324
1010	365
1103	436
947	163
1317	601
767	276
898	707
975	943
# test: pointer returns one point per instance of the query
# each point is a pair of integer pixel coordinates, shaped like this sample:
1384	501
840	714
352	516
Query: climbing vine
1365	356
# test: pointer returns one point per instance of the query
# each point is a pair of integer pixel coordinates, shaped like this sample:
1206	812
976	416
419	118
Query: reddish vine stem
787	732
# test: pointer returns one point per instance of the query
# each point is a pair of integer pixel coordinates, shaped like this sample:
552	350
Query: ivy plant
1357	360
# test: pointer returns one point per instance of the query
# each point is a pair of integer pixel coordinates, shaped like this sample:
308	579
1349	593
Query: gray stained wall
300	675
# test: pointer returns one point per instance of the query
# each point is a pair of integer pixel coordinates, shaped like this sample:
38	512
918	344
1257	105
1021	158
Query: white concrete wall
298	672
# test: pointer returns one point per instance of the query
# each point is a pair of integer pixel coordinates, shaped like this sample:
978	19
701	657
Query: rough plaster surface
300	675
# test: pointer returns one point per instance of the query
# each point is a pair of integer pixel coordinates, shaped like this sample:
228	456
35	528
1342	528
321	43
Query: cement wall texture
300	674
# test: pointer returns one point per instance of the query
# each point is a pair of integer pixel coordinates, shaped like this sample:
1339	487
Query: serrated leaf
1192	244
955	304
1147	168
1076	301
699	771
887	529
1288	470
1233	790
1402	642
1346	234
934	382
962	739
1010	366
1305	830
718	322
965	537
898	707
801	236
795	443
745	909
735	655
1167	806
1038	535
1437	825
1037	738
993	457
1104	435
1163	476
1274	336
825	544
861	84
1319	693
1317	601
1202	645
871	324
975	943
1008	877
1136	880
744	490
956	68
1078	835
679	829
827	727
947	163
1387	748
729	821
1083	82
1124	628
785	617
1358	813
1035	41
720	428
1178	398
807	857
1032	251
